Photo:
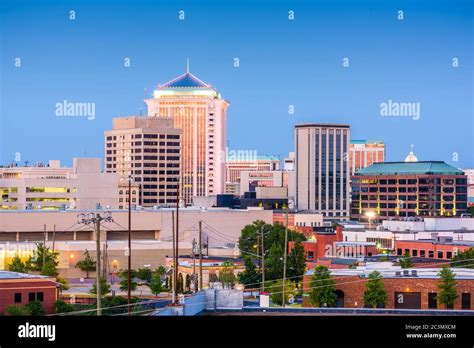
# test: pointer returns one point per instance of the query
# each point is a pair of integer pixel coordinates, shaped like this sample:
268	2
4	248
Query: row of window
422	253
32	296
146	136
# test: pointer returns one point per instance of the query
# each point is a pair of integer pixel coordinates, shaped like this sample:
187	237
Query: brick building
329	244
20	289
414	288
408	189
442	248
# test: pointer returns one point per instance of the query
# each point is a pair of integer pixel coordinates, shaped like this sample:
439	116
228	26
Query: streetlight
370	215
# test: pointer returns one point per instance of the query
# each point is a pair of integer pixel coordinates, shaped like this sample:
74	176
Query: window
399	252
422	253
466	301
431	254
31	296
17	297
432	301
310	255
440	254
449	255
40	296
414	252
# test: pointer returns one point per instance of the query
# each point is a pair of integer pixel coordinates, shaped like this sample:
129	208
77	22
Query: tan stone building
149	150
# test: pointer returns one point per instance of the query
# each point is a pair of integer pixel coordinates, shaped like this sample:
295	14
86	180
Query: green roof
422	167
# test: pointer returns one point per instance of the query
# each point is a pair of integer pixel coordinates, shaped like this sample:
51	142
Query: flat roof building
408	189
148	150
52	187
322	172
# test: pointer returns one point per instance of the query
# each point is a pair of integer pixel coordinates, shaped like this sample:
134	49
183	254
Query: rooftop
402	168
387	270
16	275
186	80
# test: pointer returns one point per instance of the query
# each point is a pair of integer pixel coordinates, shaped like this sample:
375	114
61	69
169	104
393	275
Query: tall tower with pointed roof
200	112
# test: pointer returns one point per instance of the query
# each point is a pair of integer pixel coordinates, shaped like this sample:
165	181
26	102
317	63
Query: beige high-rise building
200	112
322	170
148	149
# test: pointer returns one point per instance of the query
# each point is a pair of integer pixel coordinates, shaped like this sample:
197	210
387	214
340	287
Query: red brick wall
427	246
8	288
354	287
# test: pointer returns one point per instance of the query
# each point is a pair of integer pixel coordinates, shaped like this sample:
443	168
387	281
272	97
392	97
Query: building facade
408	189
414	288
236	164
364	153
52	187
322	173
250	180
20	289
199	111
149	151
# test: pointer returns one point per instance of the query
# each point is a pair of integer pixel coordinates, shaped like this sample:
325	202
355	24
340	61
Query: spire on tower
187	66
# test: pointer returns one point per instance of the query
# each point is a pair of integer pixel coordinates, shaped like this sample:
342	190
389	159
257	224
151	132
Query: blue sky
282	63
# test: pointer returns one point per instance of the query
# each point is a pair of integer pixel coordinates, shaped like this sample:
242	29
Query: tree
470	210
124	280
17	265
447	286
49	266
62	307
250	277
18	310
226	275
375	294
104	287
405	261
156	281
276	291
464	259
274	263
144	274
42	253
323	290
35	308
87	265
296	265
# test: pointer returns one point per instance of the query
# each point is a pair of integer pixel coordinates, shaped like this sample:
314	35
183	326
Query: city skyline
299	69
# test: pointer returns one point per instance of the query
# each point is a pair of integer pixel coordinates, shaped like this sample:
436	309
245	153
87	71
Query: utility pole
177	246
96	219
54	236
194	265
44	247
129	288
200	255
173	280
263	258
285	255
